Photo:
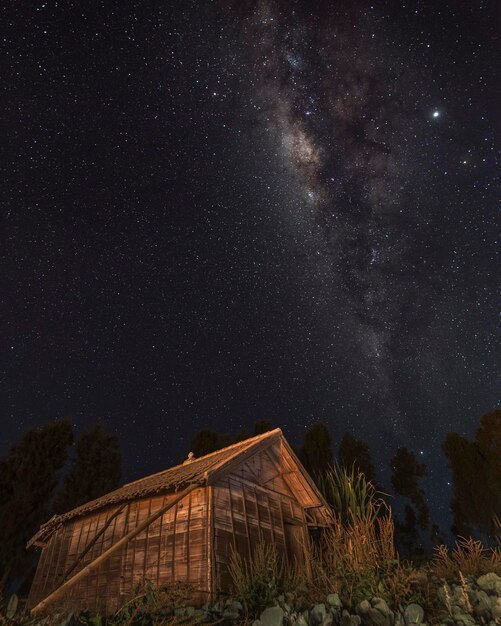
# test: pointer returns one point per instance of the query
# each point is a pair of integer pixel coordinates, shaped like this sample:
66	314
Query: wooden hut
178	525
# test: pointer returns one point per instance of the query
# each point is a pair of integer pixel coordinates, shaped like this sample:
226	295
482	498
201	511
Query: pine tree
207	441
28	477
355	453
316	453
94	471
262	426
476	476
407	472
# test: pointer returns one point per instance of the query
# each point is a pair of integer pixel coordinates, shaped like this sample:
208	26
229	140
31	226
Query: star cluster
220	212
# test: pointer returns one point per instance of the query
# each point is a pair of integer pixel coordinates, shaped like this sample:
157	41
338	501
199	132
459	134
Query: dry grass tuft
469	558
358	560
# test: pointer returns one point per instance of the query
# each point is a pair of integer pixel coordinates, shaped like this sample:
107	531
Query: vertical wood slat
211	561
188	539
174	523
110	600
121	587
272	525
247	531
104	528
160	544
64	546
260	530
232	517
286	551
85	584
77	549
50	552
146	542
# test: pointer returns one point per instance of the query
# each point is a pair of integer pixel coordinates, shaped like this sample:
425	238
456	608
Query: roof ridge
248	441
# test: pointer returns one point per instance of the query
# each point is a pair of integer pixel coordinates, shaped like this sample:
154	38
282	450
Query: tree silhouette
262	426
205	442
355	453
94	471
405	476
28	477
316	453
476	476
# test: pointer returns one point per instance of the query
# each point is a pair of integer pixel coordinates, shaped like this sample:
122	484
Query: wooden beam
58	593
91	543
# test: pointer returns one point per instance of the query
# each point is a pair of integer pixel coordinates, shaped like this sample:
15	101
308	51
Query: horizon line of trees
50	472
475	467
46	473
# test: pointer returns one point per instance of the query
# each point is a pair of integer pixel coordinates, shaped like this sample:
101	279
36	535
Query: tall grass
468	558
358	560
355	556
350	494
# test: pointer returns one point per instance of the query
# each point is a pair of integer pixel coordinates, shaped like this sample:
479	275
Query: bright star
436	113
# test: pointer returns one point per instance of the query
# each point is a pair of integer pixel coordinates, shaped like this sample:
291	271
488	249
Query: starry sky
216	212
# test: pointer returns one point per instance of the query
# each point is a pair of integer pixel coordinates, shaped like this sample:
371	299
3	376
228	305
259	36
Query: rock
398	620
377	618
496	610
483	605
302	621
363	607
381	606
464	618
318	614
413	614
491	583
350	620
333	600
272	616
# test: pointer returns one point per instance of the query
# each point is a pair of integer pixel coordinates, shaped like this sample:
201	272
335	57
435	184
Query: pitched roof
200	470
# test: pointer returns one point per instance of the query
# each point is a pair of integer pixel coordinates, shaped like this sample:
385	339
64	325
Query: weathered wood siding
174	547
252	503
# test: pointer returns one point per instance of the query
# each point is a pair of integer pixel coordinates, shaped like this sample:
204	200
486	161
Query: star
436	113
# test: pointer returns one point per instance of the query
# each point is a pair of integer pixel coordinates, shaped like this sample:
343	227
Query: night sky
218	212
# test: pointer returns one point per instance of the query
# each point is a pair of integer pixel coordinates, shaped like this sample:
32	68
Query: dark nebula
215	213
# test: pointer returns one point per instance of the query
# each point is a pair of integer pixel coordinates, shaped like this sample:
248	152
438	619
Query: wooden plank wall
173	548
245	512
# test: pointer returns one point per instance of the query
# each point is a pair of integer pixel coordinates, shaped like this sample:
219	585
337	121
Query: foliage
468	558
262	426
316	453
207	441
406	474
476	476
350	494
358	560
28	477
94	471
354	453
152	606
256	581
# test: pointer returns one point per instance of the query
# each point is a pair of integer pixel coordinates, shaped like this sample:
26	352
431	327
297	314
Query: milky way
220	212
